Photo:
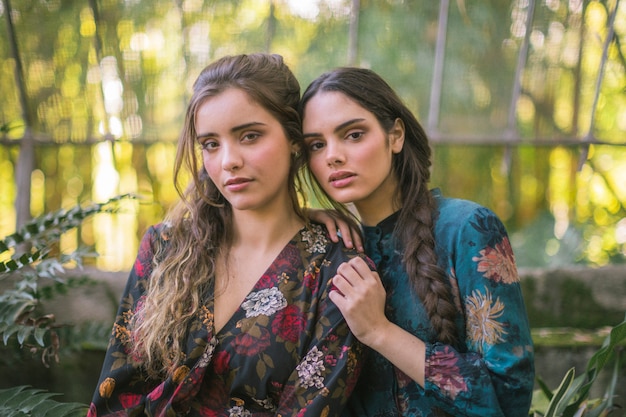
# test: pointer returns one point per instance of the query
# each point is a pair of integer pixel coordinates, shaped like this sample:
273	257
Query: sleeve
121	388
327	373
492	373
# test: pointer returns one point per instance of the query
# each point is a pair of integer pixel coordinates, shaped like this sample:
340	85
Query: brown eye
354	135
209	145
250	137
315	145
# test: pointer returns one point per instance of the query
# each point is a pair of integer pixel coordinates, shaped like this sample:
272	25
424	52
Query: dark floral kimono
287	350
491	371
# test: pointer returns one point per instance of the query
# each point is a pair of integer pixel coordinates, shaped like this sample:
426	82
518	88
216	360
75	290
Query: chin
238	204
344	197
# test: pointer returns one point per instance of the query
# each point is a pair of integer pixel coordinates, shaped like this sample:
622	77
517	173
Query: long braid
416	230
415	227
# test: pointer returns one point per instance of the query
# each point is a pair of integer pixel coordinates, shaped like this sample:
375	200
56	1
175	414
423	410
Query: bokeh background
524	102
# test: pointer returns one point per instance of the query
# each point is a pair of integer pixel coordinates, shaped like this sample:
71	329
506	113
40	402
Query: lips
236	184
235	181
341	178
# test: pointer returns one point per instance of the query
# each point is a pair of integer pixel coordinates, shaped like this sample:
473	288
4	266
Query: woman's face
245	151
351	154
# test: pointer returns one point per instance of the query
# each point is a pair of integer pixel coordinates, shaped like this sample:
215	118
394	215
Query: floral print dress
286	351
491	372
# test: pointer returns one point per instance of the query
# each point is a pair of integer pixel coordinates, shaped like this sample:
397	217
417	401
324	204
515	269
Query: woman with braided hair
446	317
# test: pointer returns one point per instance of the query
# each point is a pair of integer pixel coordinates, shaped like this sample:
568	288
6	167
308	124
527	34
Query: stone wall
569	302
577	298
573	297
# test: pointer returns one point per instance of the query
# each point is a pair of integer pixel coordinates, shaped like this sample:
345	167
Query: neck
253	230
380	204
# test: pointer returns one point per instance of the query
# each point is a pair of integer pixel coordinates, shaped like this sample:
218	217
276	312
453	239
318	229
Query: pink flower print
442	370
498	263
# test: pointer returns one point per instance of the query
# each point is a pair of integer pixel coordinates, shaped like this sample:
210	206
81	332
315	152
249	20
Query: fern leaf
7	394
56	223
9	331
62	410
10	265
21	261
39	334
7	412
23	333
15	303
27	401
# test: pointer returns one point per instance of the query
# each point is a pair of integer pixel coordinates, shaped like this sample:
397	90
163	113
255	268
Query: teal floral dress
287	351
491	371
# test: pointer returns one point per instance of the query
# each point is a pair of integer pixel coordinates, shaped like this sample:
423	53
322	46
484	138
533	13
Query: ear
295	148
396	136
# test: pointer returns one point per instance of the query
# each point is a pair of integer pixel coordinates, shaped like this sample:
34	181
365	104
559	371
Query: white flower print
264	302
267	403
315	238
310	369
239	411
207	355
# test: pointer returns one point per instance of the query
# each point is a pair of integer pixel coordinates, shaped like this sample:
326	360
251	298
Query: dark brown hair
415	227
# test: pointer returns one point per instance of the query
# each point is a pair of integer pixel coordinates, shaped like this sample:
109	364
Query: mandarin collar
385	226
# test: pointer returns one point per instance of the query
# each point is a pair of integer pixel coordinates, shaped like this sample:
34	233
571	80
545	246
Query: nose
231	157
335	154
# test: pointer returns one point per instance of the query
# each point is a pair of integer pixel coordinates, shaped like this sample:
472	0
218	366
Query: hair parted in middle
199	224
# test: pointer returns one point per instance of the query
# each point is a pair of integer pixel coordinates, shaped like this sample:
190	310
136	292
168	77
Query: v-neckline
236	316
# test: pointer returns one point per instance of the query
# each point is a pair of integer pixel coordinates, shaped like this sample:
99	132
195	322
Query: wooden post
353	35
26	159
432	126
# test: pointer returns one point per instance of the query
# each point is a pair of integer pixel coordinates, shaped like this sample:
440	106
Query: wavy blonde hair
199	225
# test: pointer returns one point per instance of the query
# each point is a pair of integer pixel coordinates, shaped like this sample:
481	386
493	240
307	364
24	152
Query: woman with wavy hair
227	311
446	317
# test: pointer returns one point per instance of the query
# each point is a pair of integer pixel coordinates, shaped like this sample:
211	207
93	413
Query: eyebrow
235	129
336	129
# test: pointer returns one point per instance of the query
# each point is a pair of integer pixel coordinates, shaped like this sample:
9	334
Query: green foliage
34	259
45	231
536	245
86	336
156	49
29	257
571	397
26	401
